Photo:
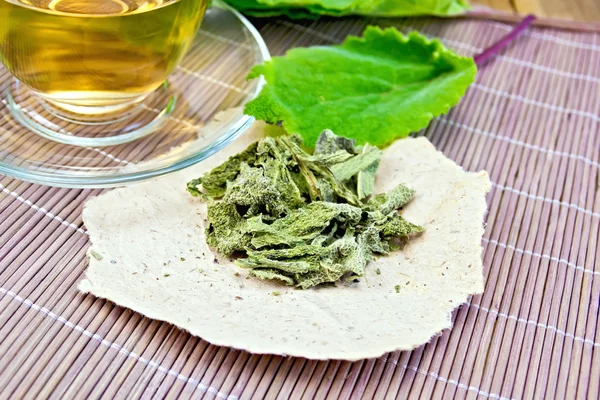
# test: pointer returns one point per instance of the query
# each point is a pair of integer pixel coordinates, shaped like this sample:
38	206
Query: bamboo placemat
532	121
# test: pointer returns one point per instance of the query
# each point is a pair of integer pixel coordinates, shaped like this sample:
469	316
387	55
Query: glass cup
94	70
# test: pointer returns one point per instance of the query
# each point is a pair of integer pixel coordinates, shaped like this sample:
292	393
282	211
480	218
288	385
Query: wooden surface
578	10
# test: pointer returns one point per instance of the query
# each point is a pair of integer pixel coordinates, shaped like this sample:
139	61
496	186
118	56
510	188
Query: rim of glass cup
230	132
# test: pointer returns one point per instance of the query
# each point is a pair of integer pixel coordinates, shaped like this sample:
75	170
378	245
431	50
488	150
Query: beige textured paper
154	260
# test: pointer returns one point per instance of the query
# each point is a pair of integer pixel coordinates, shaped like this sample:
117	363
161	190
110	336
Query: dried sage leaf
299	218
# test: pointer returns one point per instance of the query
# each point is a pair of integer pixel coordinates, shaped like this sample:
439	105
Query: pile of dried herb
304	219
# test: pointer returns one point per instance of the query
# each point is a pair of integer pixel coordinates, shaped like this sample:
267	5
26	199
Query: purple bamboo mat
532	120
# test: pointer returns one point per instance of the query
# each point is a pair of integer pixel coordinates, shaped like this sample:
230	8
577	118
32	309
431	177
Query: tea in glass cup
93	62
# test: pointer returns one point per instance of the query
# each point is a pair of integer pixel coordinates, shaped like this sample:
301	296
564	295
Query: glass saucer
209	80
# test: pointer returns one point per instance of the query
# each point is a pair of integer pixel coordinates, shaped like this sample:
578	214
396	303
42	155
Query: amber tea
95	55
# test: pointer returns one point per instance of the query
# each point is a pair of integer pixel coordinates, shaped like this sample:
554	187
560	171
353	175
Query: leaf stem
484	56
